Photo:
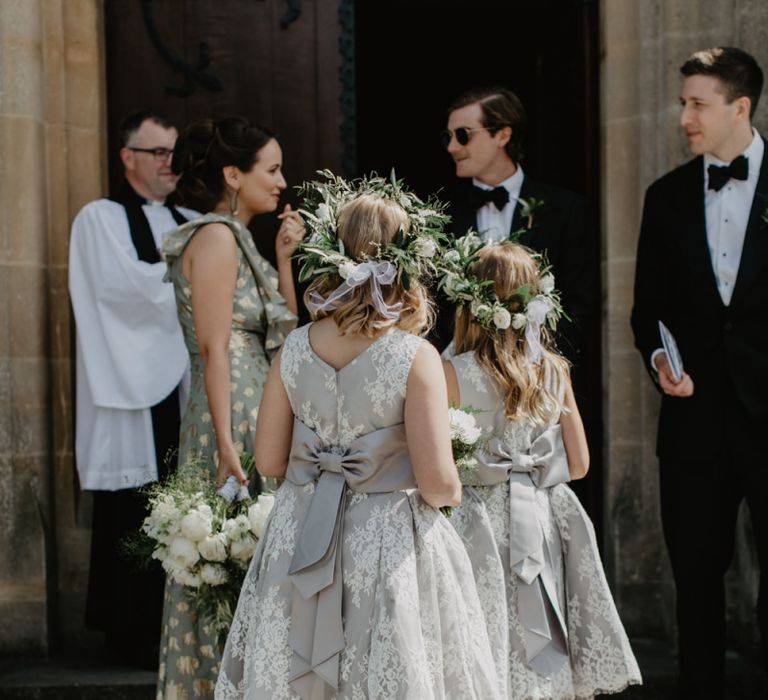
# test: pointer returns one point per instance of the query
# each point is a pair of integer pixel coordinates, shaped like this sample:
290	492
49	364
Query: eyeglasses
157	153
462	135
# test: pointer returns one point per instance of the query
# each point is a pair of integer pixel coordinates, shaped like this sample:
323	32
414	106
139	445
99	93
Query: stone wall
51	145
644	42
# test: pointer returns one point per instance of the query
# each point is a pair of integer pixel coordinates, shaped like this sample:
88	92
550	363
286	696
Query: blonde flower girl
524	529
360	587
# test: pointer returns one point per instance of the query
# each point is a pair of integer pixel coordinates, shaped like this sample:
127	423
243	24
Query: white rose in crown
547	284
450	282
197	524
452	257
259	512
323	212
502	318
184	552
346	269
214	548
425	247
213	575
518	321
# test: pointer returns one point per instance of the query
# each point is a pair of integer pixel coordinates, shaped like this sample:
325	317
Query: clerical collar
512	184
753	153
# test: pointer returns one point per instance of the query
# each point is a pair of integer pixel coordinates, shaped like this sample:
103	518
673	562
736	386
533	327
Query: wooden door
274	61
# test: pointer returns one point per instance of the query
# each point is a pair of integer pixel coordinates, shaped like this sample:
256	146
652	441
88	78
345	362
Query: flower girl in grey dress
360	587
517	516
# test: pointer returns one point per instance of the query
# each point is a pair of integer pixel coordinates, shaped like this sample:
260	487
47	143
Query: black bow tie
498	195
720	174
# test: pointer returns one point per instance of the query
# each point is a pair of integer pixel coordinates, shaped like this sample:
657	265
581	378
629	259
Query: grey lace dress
359	589
525	531
189	652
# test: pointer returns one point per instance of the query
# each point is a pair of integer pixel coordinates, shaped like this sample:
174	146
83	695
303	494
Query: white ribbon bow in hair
536	315
379	273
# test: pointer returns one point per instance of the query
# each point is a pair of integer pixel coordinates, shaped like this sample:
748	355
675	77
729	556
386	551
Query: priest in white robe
130	365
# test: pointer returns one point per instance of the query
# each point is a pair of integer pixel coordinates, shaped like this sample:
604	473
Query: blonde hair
532	391
366	224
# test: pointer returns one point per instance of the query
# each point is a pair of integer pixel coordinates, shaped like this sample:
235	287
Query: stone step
86	677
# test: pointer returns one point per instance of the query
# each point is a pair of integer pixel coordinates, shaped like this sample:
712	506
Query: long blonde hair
367	223
532	391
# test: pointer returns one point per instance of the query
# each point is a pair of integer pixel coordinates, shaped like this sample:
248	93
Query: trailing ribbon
545	464
536	315
379	273
374	463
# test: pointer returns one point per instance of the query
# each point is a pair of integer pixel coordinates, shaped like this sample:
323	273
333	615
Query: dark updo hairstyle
205	148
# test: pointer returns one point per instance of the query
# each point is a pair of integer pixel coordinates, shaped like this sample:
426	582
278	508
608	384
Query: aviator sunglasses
462	135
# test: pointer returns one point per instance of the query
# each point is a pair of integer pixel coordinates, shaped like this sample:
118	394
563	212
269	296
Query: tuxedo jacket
724	348
560	230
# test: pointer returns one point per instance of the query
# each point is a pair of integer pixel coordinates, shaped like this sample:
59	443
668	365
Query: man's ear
743	106
504	135
127	156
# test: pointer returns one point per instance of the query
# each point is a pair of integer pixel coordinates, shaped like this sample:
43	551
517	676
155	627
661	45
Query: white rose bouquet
465	436
203	541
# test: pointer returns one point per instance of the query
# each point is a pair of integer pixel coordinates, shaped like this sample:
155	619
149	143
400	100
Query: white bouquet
203	540
465	435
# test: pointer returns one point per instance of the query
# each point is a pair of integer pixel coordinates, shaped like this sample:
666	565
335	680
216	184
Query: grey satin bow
545	464
374	463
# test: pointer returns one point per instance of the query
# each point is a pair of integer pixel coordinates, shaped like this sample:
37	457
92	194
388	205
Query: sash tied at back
543	465
374	463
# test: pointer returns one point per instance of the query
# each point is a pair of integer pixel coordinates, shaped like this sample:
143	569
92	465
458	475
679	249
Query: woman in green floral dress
235	310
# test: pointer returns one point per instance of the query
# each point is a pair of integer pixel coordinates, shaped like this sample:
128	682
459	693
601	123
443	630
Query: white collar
512	184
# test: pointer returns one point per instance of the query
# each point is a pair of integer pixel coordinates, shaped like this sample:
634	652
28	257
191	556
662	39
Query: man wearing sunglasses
484	137
130	362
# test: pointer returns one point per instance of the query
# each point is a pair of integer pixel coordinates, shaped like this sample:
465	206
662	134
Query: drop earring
233	210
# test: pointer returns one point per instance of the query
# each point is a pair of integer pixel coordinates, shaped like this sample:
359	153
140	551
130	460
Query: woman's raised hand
290	234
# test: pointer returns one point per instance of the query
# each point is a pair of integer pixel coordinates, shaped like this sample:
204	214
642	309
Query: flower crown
528	307
411	254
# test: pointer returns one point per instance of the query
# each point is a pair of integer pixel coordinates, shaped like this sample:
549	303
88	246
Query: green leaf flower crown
412	254
527	308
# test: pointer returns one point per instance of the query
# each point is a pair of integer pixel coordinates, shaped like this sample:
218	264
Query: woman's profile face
261	186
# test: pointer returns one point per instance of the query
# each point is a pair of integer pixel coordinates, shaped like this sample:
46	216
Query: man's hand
669	385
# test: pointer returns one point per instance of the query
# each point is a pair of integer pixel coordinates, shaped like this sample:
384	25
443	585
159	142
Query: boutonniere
528	209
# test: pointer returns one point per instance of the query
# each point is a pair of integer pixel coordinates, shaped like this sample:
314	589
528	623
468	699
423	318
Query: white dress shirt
727	215
130	353
494	225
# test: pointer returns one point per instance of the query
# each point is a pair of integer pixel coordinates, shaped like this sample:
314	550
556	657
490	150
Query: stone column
52	119
644	42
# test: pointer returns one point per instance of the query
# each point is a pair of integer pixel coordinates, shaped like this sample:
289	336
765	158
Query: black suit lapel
527	190
463	214
694	223
753	253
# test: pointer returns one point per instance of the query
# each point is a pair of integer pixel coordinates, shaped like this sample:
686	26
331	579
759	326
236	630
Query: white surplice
130	352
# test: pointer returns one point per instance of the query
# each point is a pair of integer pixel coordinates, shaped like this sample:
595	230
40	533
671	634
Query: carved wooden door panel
275	61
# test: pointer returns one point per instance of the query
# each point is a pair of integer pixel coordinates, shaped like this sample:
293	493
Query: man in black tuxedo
702	269
484	137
